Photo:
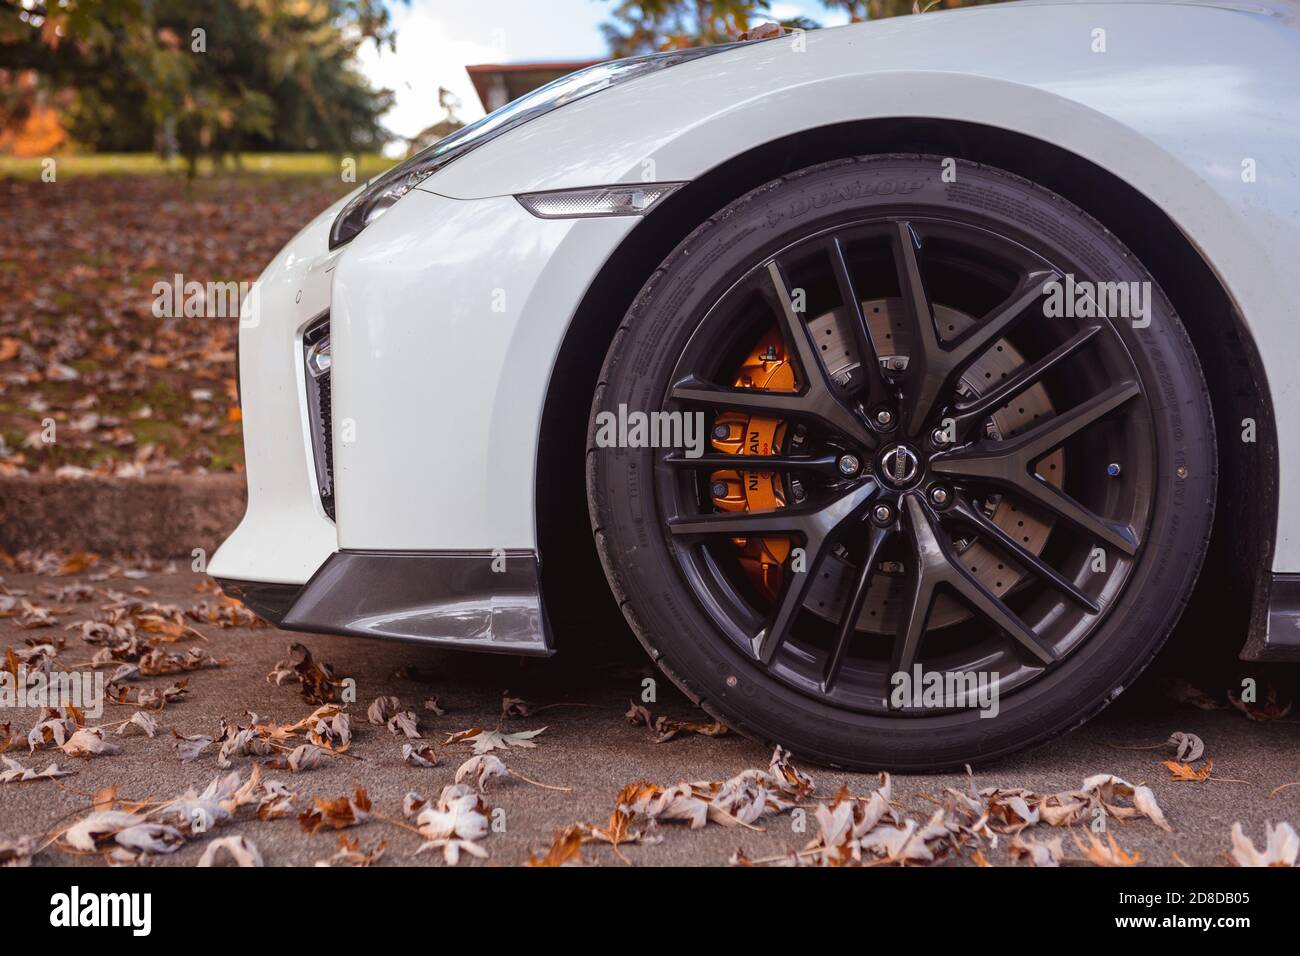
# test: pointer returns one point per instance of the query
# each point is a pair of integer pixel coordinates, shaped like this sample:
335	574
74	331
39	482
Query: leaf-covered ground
220	743
79	344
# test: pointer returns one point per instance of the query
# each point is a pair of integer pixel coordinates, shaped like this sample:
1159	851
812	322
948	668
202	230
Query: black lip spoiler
472	600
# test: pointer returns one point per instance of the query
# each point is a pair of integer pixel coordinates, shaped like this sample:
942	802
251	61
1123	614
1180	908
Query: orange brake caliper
746	490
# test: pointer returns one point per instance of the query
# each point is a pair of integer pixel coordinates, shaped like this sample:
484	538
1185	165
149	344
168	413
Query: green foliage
214	77
644	26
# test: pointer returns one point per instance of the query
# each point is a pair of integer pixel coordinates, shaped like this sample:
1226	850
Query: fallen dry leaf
1186	772
456	823
488	740
1106	854
240	849
15	772
1281	846
18	851
1188	748
482	769
565	849
90	742
424	756
351	853
338	813
663	728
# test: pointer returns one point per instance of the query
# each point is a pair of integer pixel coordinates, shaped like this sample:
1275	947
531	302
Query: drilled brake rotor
751	490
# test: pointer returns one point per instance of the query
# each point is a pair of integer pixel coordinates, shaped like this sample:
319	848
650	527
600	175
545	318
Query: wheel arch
1232	593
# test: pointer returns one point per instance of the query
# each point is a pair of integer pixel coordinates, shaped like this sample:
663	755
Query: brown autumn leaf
1188	773
338	813
302	757
77	562
404	723
1262	711
565	849
382	708
513	706
663	728
319	685
276	801
1108	853
352	853
424	756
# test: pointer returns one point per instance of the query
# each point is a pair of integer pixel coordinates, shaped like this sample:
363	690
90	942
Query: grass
145	164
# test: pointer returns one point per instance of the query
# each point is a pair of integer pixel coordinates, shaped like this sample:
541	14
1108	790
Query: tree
449	103
879	9
205	76
644	26
647	26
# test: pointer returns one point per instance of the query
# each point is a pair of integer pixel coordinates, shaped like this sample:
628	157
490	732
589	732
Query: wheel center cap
900	466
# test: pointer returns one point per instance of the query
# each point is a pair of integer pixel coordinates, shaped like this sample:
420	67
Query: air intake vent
316	362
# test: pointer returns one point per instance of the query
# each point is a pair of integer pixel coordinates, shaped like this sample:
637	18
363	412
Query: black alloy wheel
966	482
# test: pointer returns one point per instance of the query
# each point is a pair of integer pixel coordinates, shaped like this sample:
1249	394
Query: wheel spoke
853	607
933	368
820	464
794	590
922	381
974	343
971	413
967	513
1010	464
819	530
942	565
877	390
740	524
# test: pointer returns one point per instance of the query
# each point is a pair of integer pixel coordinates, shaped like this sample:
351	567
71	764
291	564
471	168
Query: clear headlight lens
385	190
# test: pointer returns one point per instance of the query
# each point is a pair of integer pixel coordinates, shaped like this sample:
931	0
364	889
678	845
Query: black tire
666	613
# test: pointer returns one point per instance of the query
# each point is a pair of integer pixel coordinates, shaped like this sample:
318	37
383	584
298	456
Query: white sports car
902	382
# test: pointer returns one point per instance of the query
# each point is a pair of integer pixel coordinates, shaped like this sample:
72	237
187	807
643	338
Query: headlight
382	192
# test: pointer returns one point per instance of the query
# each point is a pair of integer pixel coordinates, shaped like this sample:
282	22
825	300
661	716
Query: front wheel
901	469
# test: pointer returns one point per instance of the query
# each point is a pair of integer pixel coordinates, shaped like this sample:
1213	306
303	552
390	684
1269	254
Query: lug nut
939	495
849	465
1113	469
884	418
882	514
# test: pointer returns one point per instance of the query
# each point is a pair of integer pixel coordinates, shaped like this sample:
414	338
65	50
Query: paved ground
593	750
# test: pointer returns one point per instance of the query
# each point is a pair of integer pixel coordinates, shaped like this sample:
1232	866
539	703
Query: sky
437	38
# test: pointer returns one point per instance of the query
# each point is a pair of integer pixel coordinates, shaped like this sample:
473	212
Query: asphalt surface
589	747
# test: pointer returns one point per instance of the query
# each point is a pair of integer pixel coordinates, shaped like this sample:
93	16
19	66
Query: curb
158	516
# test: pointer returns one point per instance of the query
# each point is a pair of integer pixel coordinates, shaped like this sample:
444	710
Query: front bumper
399	504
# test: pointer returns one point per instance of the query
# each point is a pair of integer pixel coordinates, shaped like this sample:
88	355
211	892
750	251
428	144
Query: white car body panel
443	358
445	394
285	534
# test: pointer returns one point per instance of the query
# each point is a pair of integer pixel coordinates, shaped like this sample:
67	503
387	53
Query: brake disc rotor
740	490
